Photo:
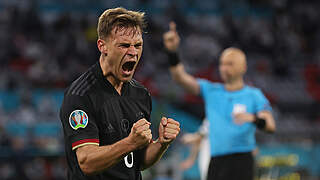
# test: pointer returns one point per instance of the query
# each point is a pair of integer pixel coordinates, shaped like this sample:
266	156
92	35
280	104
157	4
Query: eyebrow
124	42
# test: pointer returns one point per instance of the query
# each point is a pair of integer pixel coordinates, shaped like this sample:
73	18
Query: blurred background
46	44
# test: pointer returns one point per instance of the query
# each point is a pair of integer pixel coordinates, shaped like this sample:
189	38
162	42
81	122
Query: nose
132	51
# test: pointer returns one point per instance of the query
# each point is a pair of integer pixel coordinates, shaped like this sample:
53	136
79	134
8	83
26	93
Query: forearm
93	159
270	125
153	153
184	79
194	151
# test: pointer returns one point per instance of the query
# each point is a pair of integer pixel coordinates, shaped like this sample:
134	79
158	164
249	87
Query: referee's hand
168	130
171	38
140	134
241	118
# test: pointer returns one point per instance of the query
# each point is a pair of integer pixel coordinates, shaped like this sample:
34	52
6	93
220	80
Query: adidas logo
110	128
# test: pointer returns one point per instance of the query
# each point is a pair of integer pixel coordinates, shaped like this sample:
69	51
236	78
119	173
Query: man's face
232	66
124	47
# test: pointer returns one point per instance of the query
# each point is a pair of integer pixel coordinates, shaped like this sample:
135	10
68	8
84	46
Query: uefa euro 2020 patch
78	119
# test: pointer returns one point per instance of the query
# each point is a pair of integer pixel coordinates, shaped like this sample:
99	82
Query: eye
125	45
138	45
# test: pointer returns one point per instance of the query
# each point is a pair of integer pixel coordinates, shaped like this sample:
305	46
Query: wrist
129	144
173	58
164	145
260	122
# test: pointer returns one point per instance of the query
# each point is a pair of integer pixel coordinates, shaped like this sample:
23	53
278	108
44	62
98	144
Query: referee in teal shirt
234	111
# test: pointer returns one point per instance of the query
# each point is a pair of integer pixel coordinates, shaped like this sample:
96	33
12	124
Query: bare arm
171	42
270	123
93	159
194	140
189	162
168	131
184	79
153	154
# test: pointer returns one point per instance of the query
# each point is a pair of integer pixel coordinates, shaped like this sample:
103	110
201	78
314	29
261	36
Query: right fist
140	134
171	38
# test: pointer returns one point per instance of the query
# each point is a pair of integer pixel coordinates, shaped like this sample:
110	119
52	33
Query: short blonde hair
119	17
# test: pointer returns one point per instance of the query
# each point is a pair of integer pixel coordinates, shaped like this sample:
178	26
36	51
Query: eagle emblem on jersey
78	119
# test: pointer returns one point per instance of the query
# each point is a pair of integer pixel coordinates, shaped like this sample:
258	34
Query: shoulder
138	88
79	90
134	83
217	85
82	85
254	91
209	84
71	101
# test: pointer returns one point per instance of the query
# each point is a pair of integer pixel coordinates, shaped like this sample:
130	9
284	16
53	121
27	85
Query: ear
102	46
245	68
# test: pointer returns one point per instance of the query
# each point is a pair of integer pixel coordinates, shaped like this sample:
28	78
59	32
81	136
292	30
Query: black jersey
94	113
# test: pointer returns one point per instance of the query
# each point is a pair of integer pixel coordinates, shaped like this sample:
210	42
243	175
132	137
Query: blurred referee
233	109
105	113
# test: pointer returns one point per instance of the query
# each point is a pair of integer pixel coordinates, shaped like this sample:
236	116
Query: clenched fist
140	134
168	130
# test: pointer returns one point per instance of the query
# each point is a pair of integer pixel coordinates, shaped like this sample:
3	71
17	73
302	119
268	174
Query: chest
116	116
229	103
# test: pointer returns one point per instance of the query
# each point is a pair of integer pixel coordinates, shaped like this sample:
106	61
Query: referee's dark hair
119	18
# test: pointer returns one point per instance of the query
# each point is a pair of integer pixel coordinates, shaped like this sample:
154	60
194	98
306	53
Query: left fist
168	130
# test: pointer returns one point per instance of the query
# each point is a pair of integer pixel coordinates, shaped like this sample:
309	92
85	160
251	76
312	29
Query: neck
106	71
234	85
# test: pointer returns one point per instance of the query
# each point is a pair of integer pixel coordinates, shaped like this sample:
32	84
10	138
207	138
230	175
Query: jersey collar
106	84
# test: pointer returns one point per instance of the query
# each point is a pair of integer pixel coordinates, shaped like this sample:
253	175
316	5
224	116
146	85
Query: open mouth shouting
128	67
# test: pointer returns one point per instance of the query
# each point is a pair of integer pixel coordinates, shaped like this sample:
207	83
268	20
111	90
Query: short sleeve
78	120
203	84
262	103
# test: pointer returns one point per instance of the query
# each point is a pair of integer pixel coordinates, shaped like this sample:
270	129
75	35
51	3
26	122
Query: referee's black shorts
239	166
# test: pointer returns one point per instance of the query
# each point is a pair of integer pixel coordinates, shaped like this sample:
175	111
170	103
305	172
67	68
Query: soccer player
105	113
233	109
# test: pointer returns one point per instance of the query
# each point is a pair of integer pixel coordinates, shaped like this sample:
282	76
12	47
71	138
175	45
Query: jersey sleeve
203	84
262	103
78	120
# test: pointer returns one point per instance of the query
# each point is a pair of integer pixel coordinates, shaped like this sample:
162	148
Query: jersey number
130	156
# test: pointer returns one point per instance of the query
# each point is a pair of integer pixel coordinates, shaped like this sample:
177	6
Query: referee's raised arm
171	42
